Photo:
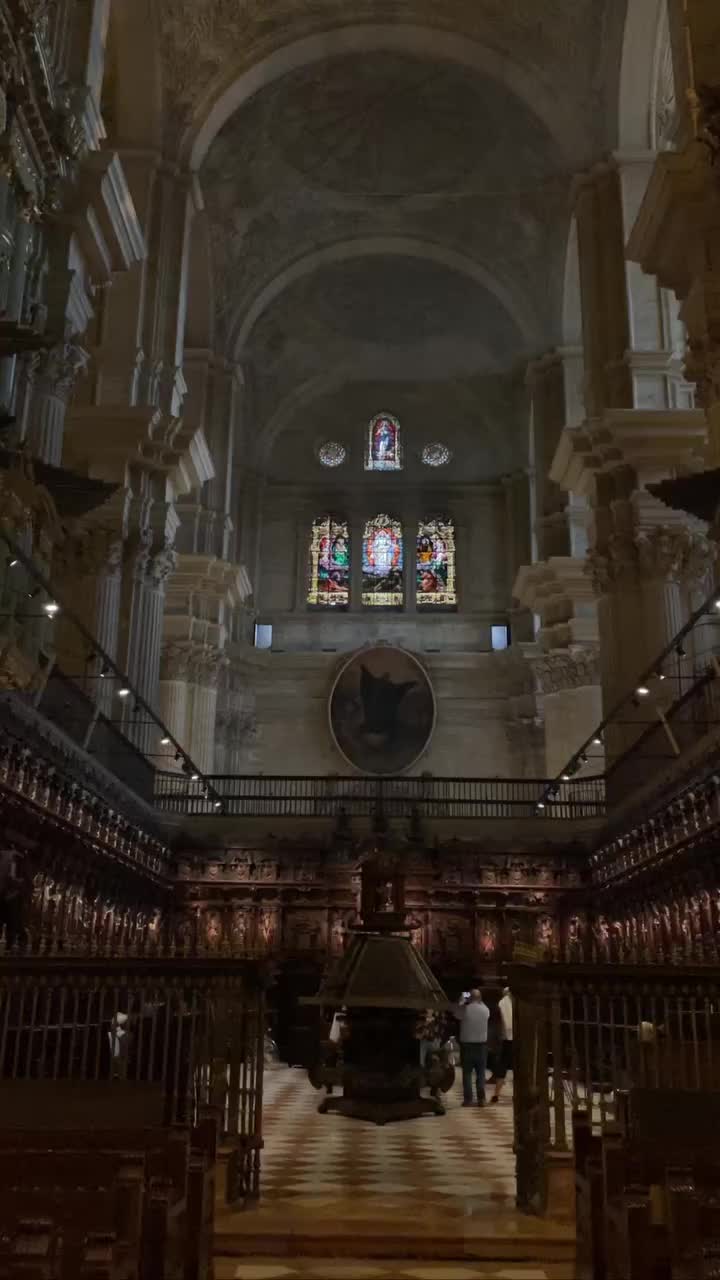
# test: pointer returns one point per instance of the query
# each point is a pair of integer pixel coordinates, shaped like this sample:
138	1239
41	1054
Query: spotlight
642	691
12	564
165	742
123	692
597	740
32	594
104	671
194	777
716	602
51	608
583	759
660	675
218	804
540	805
565	777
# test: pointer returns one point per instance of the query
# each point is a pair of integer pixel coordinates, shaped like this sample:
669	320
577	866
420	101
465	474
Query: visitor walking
473	1016
505	1053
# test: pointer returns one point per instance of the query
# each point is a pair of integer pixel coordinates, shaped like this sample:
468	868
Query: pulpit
384	987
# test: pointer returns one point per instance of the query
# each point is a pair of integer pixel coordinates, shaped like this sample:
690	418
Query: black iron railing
263	796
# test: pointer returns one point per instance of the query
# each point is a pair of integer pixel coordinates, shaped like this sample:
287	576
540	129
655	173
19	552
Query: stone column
89	572
517	545
643	581
174	696
204	710
55	375
145	636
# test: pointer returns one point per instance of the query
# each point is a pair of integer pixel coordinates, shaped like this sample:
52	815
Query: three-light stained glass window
383	444
382	562
435	563
329	573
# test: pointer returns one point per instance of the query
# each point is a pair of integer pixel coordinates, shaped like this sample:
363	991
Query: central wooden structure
383	986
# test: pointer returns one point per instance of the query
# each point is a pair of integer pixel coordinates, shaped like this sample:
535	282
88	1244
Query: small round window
436	454
332	453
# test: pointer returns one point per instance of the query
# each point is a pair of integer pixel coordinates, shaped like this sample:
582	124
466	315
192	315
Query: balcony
346	798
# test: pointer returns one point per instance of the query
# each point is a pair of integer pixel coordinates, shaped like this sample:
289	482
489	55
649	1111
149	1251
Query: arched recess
235	87
132	94
399	246
308	393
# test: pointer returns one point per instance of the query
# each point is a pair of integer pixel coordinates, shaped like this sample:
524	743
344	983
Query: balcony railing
263	796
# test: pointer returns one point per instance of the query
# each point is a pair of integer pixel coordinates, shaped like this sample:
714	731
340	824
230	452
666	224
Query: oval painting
382	710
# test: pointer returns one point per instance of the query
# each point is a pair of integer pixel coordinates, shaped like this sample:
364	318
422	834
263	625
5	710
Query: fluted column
54	380
145	638
175	697
204	711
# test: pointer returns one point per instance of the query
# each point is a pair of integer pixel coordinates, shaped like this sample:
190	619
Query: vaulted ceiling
387	184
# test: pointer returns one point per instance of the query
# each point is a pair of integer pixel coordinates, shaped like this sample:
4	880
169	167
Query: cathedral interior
359	639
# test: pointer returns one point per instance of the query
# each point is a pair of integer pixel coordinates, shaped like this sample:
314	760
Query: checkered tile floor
467	1153
332	1269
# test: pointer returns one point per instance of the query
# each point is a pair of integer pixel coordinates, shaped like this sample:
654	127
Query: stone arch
372	246
646	44
229	92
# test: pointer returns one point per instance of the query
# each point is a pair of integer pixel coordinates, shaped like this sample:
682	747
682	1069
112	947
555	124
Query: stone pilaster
570	694
88	570
599	216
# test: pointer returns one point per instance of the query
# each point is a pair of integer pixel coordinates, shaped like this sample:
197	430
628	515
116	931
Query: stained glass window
382	562
329	563
383	446
436	563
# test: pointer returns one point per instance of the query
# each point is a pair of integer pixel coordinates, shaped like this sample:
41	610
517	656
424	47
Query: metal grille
192	1031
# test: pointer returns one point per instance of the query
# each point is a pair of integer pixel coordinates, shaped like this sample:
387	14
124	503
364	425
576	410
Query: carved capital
91	552
175	661
162	565
557	671
678	555
58	367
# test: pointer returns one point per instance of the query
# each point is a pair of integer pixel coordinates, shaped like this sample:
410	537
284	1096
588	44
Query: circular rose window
332	453
436	454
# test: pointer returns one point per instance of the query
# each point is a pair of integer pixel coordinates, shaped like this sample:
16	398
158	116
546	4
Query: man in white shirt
474	1016
505	1059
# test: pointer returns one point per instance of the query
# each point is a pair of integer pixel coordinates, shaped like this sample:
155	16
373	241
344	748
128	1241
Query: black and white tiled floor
465	1154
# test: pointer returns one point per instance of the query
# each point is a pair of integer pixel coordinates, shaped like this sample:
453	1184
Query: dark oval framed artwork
382	710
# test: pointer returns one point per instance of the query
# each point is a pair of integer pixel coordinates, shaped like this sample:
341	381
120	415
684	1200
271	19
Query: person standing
473	1016
505	1056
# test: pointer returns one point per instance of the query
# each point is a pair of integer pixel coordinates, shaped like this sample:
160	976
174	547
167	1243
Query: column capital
56	368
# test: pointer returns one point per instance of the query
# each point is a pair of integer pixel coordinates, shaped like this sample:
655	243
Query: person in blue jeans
473	1016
